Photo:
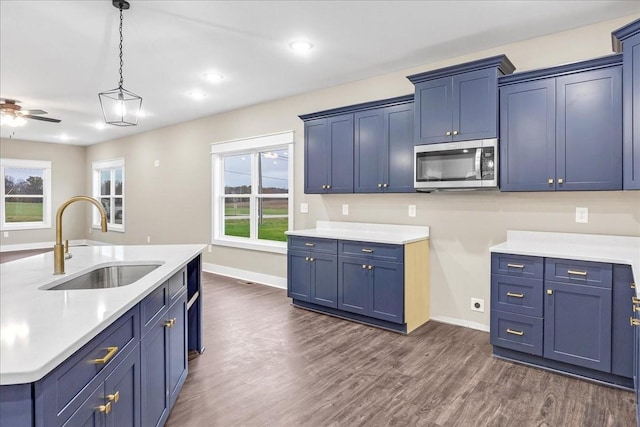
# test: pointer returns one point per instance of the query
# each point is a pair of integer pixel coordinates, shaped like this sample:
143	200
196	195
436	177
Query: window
108	188
252	184
26	197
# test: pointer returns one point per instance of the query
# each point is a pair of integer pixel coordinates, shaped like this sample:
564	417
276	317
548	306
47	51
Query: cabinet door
177	350
622	331
153	376
324	279
475	105
433	114
353	285
316	156
589	130
122	390
298	276
370	151
88	414
631	89
398	131
341	153
577	325
527	136
386	297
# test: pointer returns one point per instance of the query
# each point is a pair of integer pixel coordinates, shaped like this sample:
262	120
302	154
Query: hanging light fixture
120	107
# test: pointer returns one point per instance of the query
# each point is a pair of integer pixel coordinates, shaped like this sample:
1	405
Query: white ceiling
58	55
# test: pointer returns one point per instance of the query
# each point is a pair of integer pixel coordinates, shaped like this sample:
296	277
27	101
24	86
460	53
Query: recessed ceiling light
301	46
214	77
196	94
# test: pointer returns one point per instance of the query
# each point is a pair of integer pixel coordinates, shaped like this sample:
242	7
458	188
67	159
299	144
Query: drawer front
153	307
580	272
328	246
517	295
65	388
177	284
381	251
517	265
516	332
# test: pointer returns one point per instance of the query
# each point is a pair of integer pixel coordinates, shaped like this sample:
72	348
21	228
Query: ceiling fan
13	115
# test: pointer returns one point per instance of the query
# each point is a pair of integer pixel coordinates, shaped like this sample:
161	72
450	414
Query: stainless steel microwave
456	165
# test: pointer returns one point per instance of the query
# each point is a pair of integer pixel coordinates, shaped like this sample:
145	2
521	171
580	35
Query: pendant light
120	107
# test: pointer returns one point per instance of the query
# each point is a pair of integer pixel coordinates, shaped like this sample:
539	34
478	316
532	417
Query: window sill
262	246
24	226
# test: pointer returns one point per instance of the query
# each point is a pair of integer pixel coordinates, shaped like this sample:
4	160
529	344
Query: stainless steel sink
107	277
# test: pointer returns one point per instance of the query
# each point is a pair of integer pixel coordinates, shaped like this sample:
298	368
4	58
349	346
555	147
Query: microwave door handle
478	163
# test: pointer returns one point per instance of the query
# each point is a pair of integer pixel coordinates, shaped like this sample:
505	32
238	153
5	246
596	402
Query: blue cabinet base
390	326
564	368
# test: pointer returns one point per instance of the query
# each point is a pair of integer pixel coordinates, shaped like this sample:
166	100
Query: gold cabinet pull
111	351
636	308
634	322
632	285
514	332
455	132
511	294
310	244
328	186
577	273
515	265
635	300
448	133
367	251
549	291
560	181
312	259
550	181
364	265
114	397
385	185
105	408
379	185
370	267
169	323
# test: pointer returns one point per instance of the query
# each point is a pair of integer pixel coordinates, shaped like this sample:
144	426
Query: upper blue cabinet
627	41
561	127
458	103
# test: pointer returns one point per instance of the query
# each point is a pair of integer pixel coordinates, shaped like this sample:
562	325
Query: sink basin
112	276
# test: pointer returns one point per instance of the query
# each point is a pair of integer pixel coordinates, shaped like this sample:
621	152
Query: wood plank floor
270	364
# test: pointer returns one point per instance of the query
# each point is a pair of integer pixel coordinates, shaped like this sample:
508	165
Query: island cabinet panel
561	128
381	284
458	103
567	315
16	405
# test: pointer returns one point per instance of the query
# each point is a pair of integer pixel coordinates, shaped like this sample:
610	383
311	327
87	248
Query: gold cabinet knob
169	323
364	266
448	133
560	181
105	408
114	397
306	258
370	267
312	259
634	322
379	185
385	185
550	181
549	291
455	132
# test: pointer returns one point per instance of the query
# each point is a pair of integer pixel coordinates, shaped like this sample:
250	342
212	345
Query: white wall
171	203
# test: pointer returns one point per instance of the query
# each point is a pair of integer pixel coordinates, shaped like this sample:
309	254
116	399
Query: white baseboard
461	322
236	273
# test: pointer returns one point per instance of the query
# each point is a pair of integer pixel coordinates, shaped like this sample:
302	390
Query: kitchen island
44	330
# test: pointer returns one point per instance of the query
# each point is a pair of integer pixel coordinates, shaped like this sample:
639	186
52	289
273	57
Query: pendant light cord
121	62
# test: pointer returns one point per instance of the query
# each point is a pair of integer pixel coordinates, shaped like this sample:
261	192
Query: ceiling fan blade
44	119
26	112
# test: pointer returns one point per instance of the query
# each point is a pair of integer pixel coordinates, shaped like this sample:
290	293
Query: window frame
96	169
254	146
45	165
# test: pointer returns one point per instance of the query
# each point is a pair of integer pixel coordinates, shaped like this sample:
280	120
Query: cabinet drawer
582	272
520	295
517	332
379	251
517	265
153	307
177	283
329	246
65	388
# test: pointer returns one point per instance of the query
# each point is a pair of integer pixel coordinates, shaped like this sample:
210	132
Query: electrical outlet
345	209
148	239
477	304
304	207
412	210
582	215
209	248
156	163
6	234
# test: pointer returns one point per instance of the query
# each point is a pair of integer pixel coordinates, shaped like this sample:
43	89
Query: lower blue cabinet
312	277
517	332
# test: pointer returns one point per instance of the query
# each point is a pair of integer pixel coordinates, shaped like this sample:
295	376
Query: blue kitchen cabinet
329	154
383	149
561	129
298	276
353	286
312	271
387	291
177	347
621	330
627	41
458	103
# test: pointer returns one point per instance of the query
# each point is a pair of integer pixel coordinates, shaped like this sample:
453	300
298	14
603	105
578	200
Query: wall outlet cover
156	163
345	209
582	215
477	304
304	207
412	210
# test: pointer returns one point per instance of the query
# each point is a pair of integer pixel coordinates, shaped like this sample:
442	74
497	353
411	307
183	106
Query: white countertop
39	329
358	231
587	247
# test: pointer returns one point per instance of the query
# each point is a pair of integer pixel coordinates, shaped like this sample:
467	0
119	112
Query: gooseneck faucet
58	249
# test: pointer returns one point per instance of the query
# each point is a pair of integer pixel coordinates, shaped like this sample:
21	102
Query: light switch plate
304	207
582	215
345	209
412	210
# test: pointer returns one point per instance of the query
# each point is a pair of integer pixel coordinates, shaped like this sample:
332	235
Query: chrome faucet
59	249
